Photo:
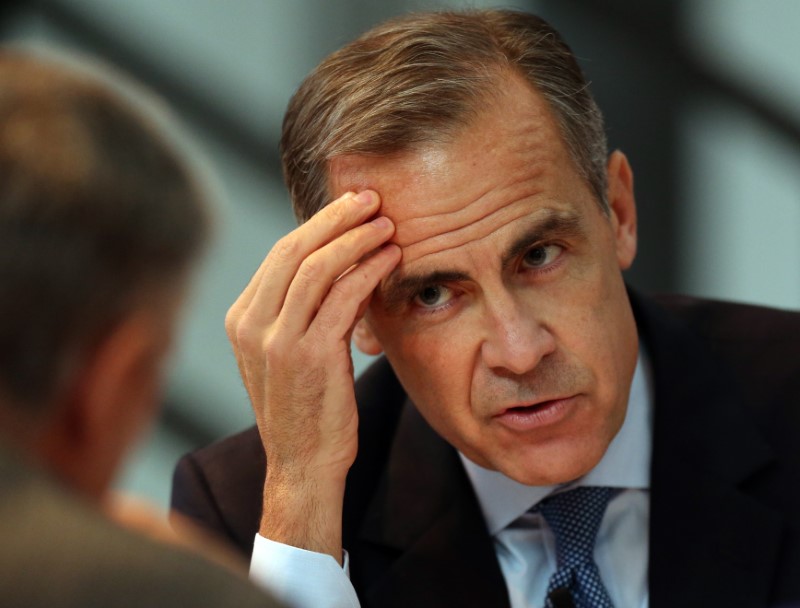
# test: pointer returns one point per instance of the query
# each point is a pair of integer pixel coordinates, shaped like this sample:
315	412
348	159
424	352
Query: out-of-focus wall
740	229
717	181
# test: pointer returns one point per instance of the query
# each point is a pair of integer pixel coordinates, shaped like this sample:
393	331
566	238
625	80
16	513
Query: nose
515	340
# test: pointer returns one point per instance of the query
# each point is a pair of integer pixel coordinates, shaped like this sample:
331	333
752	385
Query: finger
275	273
323	268
346	299
271	282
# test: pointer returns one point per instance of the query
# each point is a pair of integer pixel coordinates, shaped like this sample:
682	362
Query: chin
544	478
549	467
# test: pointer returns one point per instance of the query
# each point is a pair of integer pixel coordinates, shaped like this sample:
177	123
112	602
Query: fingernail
366	197
381	222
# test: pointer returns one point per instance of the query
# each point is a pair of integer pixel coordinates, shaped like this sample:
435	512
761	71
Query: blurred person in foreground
537	433
101	220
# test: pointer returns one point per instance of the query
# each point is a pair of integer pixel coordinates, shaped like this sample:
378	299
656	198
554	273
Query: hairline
447	134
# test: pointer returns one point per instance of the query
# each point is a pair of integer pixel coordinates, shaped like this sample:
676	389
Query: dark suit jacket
57	552
725	493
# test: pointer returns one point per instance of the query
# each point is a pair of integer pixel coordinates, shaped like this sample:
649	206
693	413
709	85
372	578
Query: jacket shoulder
219	487
758	342
723	320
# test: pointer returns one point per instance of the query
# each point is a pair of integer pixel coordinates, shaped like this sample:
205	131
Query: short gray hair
419	79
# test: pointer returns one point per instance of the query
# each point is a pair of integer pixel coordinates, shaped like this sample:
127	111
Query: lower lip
527	419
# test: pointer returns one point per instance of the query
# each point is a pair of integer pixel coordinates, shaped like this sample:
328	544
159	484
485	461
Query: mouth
536	415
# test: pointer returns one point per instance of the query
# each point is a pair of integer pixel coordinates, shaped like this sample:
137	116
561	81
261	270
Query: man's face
507	320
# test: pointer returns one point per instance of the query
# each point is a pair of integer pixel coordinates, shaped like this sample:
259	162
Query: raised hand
290	331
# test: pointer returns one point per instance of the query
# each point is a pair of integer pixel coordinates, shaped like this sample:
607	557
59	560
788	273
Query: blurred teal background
703	96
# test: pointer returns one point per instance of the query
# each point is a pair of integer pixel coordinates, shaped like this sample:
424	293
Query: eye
433	296
541	255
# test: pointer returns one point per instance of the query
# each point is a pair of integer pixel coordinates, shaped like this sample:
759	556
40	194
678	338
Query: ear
622	206
365	339
110	400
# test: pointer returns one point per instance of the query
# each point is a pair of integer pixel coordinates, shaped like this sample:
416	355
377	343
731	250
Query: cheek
610	341
435	366
591	317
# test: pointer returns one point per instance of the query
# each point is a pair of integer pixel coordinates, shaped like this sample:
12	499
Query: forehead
509	164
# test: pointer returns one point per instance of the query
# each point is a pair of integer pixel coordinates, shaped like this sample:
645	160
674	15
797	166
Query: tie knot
574	517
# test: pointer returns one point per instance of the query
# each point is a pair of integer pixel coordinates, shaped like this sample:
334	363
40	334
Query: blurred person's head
100	221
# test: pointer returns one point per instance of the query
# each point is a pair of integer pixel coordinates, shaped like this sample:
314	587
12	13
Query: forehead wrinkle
471	233
547	222
519	184
428	224
476	220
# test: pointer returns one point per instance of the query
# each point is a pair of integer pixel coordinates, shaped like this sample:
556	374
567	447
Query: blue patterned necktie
574	517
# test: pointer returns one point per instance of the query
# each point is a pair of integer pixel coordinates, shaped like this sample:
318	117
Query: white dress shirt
300	578
524	544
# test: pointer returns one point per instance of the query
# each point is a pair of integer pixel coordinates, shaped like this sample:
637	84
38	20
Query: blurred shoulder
61	552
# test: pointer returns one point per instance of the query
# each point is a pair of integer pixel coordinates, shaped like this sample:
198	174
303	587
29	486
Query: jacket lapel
710	543
426	518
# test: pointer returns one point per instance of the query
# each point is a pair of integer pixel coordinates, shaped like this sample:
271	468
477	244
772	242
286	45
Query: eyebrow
396	291
554	225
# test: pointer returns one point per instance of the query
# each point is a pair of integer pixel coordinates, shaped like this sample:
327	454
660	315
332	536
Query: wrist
304	510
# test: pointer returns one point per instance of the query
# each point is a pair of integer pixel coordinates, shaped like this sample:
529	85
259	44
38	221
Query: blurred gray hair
98	207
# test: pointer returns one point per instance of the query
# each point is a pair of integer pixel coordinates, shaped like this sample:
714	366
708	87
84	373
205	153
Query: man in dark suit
536	434
101	219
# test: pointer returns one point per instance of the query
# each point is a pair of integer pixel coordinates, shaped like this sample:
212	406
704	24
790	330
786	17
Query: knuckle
338	213
273	353
349	286
312	268
281	353
287	249
329	329
232	318
272	344
247	337
340	293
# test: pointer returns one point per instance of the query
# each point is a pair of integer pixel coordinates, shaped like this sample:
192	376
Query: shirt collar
626	463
